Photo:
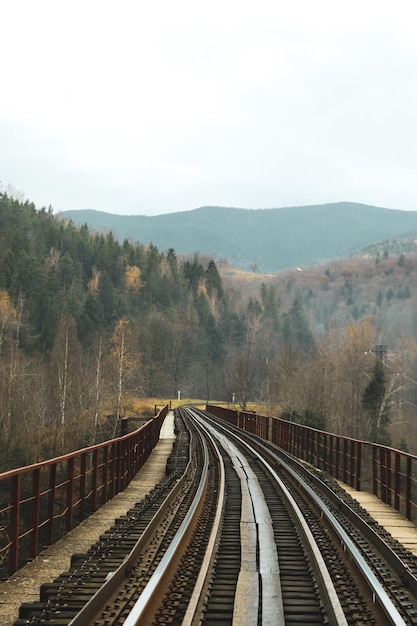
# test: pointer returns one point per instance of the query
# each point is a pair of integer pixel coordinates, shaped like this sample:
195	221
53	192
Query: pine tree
374	402
296	332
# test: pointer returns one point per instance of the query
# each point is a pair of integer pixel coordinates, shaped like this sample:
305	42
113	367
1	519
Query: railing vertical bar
397	481
70	494
105	474
383	473
34	538
331	460
389	476
94	478
337	472
83	472
15	525
51	501
374	470
112	470
358	466
345	460
118	482
408	489
352	463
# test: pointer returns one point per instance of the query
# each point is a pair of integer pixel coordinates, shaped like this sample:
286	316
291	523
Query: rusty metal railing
40	503
388	473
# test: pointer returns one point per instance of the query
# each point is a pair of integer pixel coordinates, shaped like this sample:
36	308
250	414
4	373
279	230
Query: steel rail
336	613
146	602
258	544
203	576
378	592
395	561
115	580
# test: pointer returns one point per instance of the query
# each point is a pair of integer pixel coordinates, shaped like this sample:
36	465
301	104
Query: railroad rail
278	580
389	474
40	503
237	533
136	552
383	570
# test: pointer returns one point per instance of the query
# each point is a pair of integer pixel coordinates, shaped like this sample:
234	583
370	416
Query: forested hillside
381	286
88	324
267	240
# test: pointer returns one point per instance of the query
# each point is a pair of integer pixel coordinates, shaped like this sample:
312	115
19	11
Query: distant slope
268	239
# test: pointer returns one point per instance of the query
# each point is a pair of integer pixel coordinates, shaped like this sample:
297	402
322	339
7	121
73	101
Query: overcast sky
150	107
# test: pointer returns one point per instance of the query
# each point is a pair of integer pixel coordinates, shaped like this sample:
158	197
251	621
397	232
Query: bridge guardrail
40	503
389	474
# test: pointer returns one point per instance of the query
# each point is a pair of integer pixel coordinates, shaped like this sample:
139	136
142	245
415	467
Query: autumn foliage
90	327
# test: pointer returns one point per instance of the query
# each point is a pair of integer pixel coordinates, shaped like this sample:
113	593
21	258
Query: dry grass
247	283
146	408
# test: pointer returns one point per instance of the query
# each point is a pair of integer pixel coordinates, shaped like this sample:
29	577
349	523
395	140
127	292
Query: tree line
87	323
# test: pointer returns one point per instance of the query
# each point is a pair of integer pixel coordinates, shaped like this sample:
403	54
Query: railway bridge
52	513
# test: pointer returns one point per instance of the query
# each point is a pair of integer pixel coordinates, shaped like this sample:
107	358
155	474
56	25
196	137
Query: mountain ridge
267	240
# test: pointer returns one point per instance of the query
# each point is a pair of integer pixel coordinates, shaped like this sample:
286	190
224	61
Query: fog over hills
267	240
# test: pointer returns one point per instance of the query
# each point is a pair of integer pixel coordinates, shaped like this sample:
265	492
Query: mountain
267	240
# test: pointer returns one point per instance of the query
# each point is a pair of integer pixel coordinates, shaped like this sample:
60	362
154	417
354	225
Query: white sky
150	107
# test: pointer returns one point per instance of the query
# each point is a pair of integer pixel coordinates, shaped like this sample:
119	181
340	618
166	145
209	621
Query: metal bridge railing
40	503
388	473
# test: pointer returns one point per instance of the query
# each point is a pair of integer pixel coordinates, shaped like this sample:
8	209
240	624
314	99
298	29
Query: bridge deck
395	523
24	585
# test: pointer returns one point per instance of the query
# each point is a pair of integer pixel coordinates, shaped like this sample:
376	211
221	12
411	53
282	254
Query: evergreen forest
88	324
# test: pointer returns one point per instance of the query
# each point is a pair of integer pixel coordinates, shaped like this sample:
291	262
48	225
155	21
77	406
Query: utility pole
380	352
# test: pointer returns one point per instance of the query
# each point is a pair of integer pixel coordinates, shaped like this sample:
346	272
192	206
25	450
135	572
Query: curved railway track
236	534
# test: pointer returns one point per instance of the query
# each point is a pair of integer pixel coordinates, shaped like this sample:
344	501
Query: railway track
229	538
375	576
